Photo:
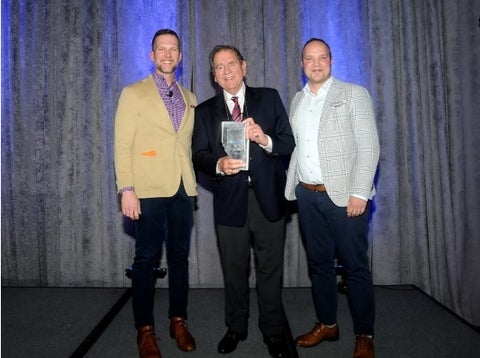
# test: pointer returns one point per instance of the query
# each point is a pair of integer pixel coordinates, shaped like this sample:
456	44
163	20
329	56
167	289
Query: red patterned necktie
236	114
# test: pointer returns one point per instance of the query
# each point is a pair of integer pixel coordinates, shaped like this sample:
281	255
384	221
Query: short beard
159	69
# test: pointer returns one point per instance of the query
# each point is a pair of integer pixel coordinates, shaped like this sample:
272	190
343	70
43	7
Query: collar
326	86
240	94
160	80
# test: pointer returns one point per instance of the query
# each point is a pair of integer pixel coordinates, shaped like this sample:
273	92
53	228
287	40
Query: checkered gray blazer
348	144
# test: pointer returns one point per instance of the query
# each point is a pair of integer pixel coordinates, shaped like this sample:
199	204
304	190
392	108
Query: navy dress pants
166	221
329	233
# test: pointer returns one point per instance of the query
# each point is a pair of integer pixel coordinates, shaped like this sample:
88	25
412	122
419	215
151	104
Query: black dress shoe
279	346
230	341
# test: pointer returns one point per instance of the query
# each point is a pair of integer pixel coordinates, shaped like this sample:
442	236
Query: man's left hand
355	206
255	132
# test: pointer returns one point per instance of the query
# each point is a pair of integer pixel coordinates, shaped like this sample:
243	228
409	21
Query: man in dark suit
249	205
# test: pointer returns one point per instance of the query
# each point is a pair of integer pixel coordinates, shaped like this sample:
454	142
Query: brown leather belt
314	187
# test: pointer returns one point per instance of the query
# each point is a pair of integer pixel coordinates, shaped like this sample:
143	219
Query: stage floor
98	322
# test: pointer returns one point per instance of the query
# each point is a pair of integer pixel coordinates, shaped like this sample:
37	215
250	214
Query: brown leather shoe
318	334
364	347
179	331
147	343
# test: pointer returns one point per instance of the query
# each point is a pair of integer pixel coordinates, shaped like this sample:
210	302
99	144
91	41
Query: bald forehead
316	46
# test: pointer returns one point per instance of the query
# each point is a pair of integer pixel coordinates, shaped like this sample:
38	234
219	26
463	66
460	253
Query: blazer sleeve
368	147
124	135
282	137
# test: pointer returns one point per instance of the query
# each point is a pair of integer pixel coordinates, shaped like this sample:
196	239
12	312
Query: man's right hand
230	166
130	205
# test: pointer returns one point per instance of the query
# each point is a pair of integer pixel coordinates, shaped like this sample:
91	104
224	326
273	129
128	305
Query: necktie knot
236	113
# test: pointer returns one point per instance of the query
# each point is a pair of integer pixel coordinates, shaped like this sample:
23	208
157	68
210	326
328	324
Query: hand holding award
235	141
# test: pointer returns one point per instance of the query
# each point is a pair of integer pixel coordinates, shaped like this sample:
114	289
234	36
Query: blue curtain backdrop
64	63
347	35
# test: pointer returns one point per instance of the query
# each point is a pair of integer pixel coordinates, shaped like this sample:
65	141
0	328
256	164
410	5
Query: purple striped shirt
172	98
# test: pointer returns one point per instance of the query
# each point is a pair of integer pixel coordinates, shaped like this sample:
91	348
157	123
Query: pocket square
150	153
339	103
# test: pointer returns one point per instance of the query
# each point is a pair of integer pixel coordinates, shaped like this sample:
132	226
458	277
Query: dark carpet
98	323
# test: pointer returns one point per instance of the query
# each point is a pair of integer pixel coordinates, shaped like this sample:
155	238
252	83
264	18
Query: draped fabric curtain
425	80
64	64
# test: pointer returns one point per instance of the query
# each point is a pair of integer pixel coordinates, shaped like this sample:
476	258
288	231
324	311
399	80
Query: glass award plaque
235	141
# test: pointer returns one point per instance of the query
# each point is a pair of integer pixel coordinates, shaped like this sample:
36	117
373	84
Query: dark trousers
329	232
267	240
169	221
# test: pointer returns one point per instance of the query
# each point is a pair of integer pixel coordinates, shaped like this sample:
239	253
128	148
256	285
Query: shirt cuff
269	145
126	188
359	196
217	169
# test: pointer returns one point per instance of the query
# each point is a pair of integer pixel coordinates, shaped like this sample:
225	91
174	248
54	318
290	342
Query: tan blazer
149	154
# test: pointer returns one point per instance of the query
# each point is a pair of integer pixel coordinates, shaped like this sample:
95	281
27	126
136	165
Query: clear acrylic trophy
235	141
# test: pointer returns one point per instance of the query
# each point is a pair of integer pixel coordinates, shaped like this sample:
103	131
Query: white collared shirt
308	125
241	99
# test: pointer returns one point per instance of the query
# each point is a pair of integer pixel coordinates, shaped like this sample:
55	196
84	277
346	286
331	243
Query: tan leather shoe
318	334
147	343
364	347
179	331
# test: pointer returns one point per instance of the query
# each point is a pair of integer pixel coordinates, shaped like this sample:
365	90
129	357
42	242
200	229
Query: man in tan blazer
156	180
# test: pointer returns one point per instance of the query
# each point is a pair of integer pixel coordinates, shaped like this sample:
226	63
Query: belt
314	187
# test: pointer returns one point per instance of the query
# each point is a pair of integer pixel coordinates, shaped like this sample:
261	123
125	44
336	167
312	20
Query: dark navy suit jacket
267	171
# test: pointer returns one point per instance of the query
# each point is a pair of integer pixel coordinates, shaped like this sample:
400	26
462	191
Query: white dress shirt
309	113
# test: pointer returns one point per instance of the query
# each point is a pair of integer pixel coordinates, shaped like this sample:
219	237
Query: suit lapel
153	96
220	115
188	108
156	104
221	109
333	96
250	106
